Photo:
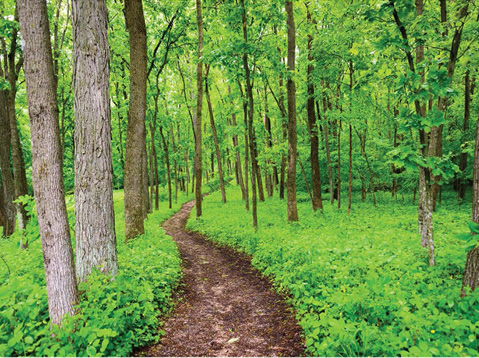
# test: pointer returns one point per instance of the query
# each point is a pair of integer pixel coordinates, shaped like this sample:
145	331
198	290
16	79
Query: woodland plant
113	316
358	283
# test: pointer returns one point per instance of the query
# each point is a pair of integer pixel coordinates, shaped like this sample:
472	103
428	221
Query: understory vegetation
360	283
113	316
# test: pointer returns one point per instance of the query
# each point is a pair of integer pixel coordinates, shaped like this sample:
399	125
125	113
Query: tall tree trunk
46	160
465	127
284	131
292	136
19	172
246	144
215	137
252	145
471	270
327	147
7	184
269	144
199	109
94	215
168	167
312	127
238	157
136	132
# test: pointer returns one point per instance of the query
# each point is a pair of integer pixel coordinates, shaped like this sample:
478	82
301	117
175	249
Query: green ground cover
360	284
113	317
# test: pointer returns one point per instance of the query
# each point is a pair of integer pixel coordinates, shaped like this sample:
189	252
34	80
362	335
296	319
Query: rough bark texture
136	131
46	160
471	271
94	216
215	138
199	109
292	135
7	185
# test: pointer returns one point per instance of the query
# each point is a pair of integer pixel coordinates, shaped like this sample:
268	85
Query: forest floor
226	308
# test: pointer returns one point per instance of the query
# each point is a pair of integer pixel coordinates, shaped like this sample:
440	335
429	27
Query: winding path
227	307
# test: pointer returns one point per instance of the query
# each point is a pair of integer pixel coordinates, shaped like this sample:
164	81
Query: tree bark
19	172
94	215
312	127
136	129
471	270
249	94
465	127
292	135
215	137
8	186
199	109
46	160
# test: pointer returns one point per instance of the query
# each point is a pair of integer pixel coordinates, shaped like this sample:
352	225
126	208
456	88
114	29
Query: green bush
360	284
114	316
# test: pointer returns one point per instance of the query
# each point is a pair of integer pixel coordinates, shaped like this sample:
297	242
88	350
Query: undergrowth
113	317
360	284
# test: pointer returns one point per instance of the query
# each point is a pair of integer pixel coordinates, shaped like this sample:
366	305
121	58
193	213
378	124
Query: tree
199	109
135	156
46	160
292	135
94	216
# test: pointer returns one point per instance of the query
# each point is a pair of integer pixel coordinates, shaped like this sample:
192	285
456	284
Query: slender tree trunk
327	148
269	144
46	160
19	172
249	93
8	186
168	167
238	159
215	137
285	136
136	132
465	127
199	108
292	136
94	215
246	151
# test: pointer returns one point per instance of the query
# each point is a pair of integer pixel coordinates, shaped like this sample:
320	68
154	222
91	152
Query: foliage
113	316
360	284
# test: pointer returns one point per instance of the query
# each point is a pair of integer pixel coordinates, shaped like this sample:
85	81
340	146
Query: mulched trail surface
226	308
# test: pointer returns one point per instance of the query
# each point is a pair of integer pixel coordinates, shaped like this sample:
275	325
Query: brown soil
227	307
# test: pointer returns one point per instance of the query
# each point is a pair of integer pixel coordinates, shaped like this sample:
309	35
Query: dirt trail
227	307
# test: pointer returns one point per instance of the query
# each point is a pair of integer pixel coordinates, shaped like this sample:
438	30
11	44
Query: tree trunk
136	131
312	126
252	145
168	167
46	160
327	148
215	137
19	172
465	127
471	271
94	215
199	109
292	135
8	185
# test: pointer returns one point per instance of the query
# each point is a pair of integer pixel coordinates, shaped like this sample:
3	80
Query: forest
239	178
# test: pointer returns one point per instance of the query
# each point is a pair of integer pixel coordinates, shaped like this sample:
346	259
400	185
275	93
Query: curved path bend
227	308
